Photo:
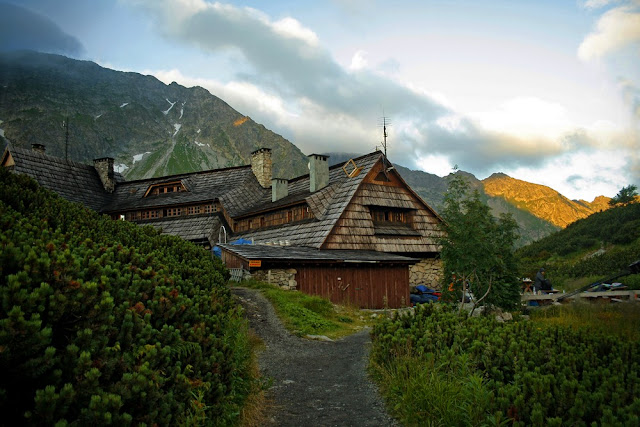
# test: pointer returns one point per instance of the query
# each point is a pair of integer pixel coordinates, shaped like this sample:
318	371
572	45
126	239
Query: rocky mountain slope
151	129
541	201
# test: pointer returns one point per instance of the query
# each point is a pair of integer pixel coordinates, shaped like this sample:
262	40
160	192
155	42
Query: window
174	211
382	214
164	188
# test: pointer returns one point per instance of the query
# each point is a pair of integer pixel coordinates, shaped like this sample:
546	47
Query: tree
625	196
478	249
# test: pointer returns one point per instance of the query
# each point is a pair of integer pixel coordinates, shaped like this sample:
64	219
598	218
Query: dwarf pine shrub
105	322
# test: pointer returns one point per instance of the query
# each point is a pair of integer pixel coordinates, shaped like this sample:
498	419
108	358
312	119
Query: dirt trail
314	382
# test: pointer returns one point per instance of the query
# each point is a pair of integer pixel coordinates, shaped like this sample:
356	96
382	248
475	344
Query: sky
545	91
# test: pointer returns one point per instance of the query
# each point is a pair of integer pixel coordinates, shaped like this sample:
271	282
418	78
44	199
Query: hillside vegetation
594	247
104	322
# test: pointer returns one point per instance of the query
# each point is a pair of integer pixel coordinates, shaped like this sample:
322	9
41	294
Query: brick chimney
279	189
104	167
318	172
261	166
38	148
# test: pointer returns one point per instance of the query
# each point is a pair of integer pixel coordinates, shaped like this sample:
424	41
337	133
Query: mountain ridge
154	129
150	128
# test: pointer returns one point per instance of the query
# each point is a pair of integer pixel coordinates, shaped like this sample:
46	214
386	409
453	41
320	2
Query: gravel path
314	382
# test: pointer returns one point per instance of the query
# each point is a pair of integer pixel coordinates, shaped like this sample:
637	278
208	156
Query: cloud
293	85
617	28
597	4
22	28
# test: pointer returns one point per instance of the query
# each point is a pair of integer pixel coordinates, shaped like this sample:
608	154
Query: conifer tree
478	249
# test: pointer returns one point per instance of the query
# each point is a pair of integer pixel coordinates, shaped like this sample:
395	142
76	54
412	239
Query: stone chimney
279	189
318	172
104	167
261	166
39	148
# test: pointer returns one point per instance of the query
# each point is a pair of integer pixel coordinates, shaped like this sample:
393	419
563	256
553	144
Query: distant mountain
541	201
150	128
154	129
538	210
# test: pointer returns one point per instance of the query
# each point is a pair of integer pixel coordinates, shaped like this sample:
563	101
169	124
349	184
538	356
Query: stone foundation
427	272
284	278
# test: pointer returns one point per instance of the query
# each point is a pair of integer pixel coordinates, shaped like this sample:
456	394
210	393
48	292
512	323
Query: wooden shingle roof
290	253
202	187
198	228
329	203
76	182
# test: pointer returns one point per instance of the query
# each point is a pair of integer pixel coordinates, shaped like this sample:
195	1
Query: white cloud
527	117
597	4
435	164
359	60
579	175
293	85
617	28
290	27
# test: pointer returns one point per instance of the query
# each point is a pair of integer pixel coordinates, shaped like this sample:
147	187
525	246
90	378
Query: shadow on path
314	382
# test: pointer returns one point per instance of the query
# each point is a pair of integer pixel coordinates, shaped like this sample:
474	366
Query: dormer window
165	187
381	214
388	221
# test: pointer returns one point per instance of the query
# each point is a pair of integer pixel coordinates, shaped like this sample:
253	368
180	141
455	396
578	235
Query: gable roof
329	203
76	182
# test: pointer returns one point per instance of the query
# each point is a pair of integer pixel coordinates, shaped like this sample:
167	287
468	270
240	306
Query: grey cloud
295	69
22	28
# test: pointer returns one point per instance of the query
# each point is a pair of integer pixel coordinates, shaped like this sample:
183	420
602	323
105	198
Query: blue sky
544	91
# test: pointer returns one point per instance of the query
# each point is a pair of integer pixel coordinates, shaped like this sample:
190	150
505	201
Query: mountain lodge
353	233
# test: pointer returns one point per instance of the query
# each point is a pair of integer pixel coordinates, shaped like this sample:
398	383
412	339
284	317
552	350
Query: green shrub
105	322
524	371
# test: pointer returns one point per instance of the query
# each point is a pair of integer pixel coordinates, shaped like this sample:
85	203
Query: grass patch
257	404
423	392
304	314
620	319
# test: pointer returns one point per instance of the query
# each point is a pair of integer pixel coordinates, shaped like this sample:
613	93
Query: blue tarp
217	251
242	241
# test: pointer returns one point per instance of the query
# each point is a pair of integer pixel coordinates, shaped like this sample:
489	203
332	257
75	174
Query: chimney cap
38	147
320	156
102	159
261	150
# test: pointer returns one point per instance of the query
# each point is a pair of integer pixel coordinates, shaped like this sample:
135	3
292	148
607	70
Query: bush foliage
598	246
517	372
104	322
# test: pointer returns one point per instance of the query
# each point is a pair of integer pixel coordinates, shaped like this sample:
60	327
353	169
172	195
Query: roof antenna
65	125
385	122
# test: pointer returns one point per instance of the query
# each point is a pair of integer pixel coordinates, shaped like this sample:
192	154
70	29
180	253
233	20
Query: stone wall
427	272
285	278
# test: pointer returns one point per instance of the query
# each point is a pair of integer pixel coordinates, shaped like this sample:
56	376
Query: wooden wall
367	286
231	260
355	228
